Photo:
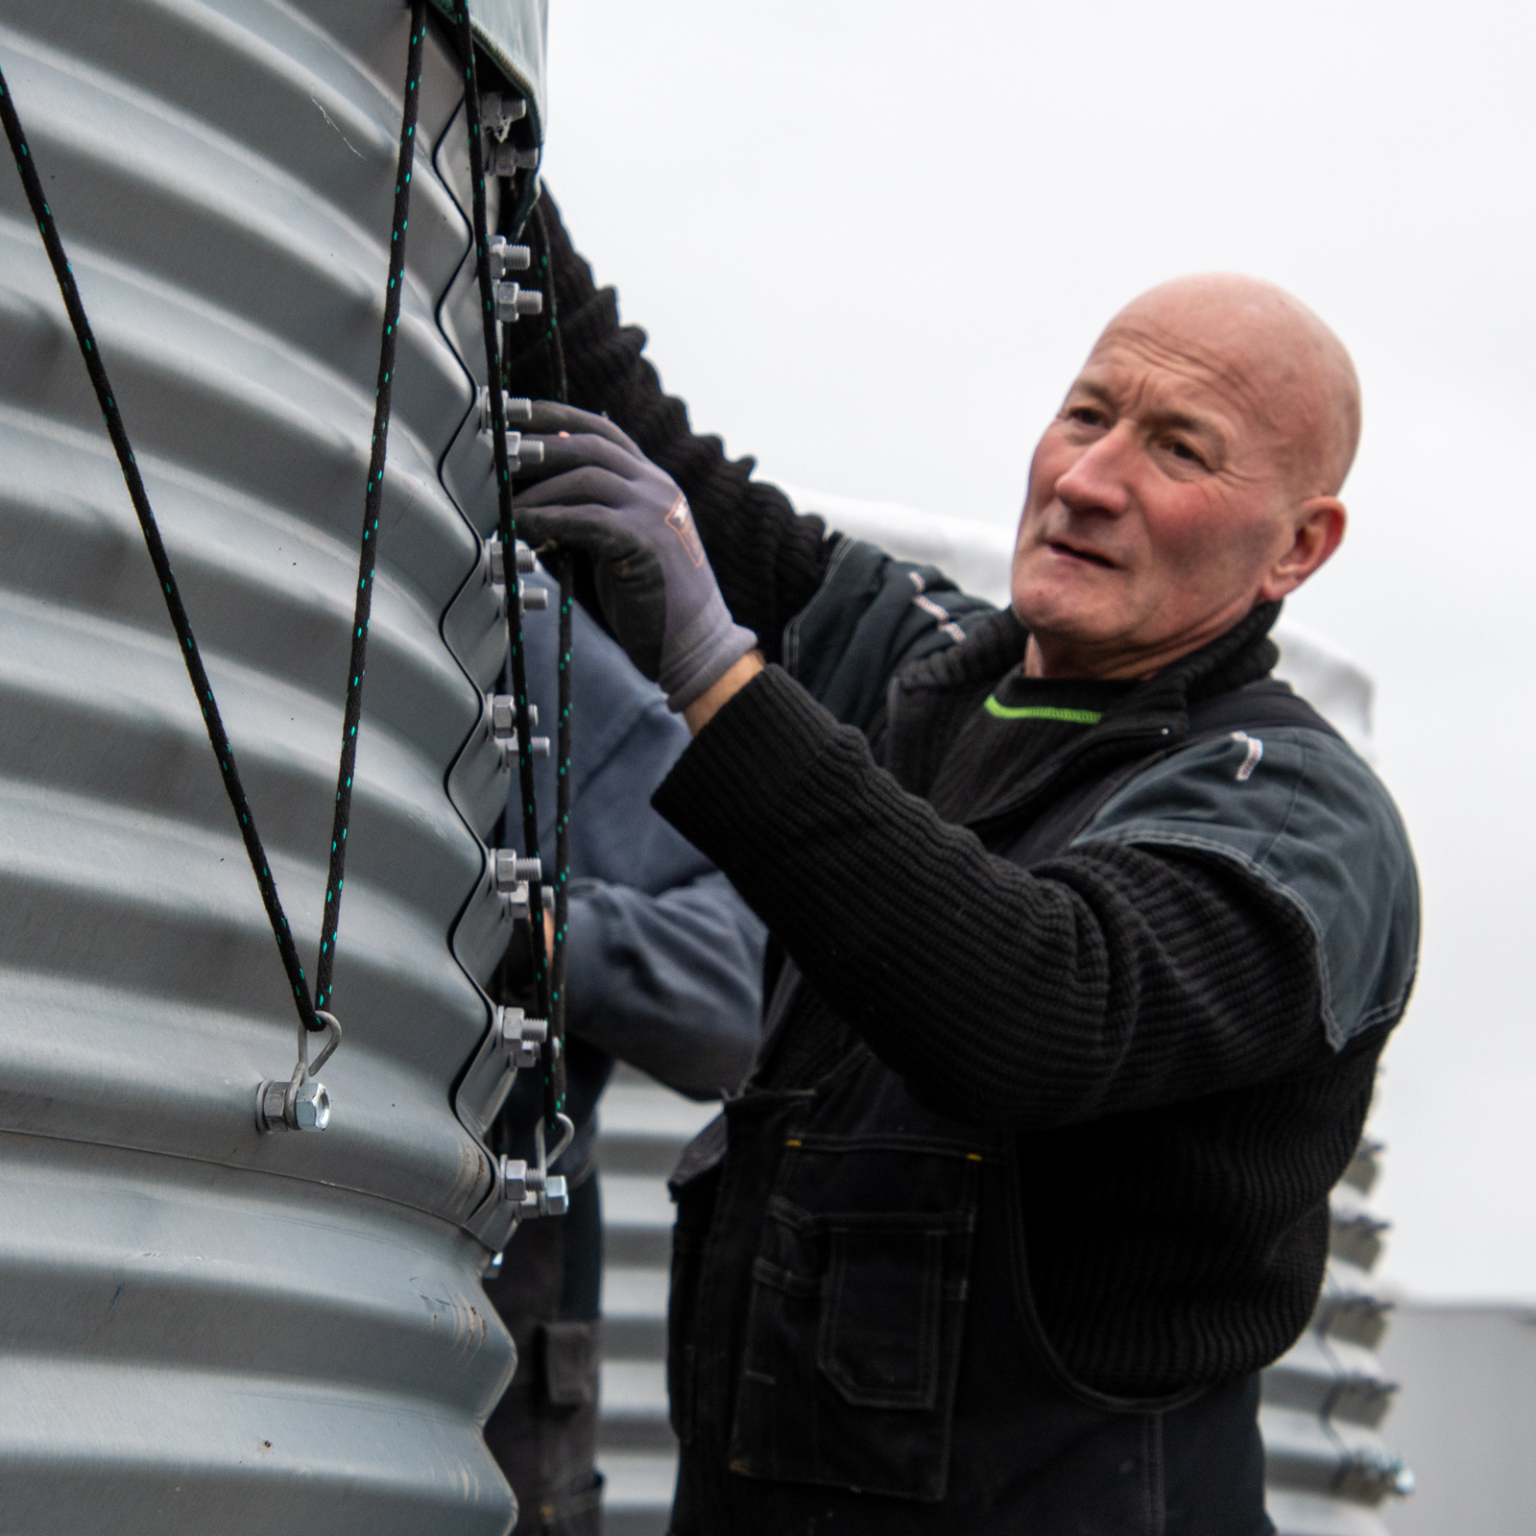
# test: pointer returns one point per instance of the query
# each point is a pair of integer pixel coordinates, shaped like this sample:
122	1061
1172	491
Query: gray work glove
599	494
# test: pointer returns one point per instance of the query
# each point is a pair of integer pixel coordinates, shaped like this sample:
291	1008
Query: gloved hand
598	493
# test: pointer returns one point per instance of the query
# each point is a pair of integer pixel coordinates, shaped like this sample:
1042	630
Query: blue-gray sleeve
1304	816
670	983
664	959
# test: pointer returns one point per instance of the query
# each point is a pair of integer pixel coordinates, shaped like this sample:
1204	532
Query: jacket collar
1150	717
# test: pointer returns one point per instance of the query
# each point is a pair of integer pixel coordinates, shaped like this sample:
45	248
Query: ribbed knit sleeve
1109	979
768	560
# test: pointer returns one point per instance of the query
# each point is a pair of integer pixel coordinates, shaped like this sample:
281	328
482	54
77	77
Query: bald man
1087	937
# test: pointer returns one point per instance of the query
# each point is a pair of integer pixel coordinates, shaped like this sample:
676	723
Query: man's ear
1319	530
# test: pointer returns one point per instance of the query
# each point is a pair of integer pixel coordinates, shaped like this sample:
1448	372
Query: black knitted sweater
1146	1022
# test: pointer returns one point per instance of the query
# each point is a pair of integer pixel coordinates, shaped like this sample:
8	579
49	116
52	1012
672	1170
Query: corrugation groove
207	1329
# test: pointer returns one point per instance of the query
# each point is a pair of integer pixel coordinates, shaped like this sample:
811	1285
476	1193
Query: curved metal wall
202	1328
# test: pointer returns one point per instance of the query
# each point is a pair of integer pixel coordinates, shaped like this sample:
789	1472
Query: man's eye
1088	415
1181	450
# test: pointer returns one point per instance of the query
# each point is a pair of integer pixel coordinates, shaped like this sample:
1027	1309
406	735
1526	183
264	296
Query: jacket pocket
693	1188
854	1324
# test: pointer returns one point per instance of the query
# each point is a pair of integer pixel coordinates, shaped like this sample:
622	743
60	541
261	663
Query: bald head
1285	368
1191	474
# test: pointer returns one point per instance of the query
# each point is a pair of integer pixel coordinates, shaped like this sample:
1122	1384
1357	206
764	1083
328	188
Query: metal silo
203	1328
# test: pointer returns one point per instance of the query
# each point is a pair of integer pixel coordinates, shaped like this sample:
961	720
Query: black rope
179	621
554	1066
372	502
507	523
554	1060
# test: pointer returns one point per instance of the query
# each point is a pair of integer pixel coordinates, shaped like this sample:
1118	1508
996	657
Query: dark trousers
543	1432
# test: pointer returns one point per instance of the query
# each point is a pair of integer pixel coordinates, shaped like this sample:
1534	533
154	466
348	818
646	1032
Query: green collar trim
1042	712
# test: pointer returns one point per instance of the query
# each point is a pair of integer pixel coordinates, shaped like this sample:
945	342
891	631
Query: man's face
1158	504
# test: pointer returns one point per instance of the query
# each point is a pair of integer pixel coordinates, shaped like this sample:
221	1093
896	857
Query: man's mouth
1088	556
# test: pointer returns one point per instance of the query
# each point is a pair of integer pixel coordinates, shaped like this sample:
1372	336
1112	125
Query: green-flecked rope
187	644
372	503
554	1060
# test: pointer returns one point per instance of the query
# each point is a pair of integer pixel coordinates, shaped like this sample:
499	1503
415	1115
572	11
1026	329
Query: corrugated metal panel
203	1328
1327	1468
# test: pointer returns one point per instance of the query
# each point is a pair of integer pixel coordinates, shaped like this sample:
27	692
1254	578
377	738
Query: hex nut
312	1106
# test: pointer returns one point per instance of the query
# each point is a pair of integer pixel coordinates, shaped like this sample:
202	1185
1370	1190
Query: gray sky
872	241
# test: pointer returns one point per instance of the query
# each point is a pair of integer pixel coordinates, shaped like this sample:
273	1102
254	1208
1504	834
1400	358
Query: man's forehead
1153	371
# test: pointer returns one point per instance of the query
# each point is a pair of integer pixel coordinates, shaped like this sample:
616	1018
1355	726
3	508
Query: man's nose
1099	478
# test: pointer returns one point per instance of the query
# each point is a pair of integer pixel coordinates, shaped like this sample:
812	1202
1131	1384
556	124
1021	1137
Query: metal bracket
303	1103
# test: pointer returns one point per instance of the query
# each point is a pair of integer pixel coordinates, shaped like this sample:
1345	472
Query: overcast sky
872	241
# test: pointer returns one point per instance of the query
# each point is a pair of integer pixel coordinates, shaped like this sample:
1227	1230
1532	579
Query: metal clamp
303	1102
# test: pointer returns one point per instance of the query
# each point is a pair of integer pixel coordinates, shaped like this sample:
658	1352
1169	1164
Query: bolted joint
521	454
512	869
555	1198
523	1037
499	110
503	712
513	1180
513	302
513	408
525	561
292	1106
508	159
506	257
1373	1474
504	715
532	1191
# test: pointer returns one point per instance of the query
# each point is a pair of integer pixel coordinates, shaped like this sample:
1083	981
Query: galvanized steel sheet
203	1328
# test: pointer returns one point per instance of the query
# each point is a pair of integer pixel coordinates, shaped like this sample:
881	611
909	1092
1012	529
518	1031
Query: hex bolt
557	1199
311	1106
506	257
514	1180
508	160
513	302
282	1107
269	1106
512	869
532	599
498	111
523	452
513	408
504	714
523	1037
525	561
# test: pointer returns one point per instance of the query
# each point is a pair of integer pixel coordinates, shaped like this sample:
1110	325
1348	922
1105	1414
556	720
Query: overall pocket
854	1325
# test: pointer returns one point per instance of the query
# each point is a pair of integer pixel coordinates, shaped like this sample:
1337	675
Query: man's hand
600	494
